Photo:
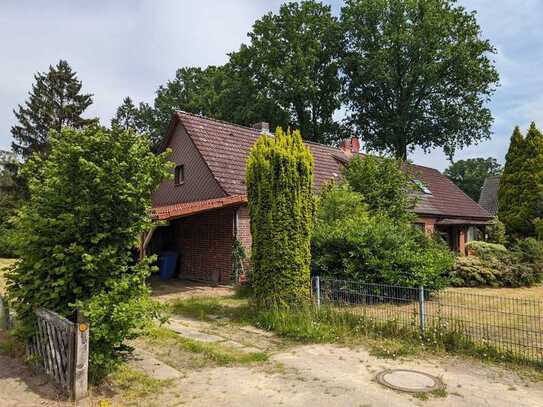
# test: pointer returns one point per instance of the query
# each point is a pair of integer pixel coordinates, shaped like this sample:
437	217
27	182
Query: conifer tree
128	117
510	193
54	102
281	205
531	178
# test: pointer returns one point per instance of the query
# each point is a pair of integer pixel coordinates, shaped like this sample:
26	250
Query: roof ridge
201	116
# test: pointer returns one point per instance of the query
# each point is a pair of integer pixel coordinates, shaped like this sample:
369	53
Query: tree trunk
401	151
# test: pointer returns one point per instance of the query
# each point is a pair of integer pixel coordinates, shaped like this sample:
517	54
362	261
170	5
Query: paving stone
241	347
153	367
193	333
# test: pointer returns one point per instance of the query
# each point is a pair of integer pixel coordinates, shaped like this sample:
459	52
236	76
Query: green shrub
471	271
495	266
528	250
281	206
352	245
89	202
495	232
384	185
486	250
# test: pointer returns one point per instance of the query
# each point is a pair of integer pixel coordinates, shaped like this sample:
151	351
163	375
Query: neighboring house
205	205
489	194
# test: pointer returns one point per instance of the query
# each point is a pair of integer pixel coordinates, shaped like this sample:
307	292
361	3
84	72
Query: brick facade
204	243
244	228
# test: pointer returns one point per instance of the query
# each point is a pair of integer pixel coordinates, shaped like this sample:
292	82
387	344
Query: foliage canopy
351	243
54	102
469	175
75	237
417	73
520	196
384	185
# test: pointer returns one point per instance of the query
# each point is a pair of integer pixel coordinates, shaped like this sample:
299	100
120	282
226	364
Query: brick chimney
262	126
350	146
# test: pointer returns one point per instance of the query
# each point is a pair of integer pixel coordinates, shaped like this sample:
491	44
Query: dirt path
326	375
315	375
19	387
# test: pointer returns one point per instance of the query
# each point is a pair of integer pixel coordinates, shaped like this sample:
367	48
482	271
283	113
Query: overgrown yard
471	321
508	323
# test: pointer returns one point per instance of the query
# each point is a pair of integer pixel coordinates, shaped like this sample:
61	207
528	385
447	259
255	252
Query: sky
130	47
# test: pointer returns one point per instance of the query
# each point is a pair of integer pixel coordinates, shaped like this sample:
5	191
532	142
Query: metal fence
513	327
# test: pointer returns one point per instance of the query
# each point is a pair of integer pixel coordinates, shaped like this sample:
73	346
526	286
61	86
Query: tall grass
328	324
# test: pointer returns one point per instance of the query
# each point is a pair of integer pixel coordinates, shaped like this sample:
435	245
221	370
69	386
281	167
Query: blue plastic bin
167	265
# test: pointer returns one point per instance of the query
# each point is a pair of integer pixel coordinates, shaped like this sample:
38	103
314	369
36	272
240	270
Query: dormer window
179	175
422	186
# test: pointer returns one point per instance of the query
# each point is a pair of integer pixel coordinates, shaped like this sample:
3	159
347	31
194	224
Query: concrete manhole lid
410	381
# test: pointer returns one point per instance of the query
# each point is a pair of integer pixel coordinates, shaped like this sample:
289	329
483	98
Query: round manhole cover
409	381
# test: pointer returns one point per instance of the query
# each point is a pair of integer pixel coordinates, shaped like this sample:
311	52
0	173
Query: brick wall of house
244	228
428	224
244	233
205	244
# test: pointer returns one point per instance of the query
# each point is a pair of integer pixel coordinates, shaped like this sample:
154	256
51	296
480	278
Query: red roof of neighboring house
225	147
446	198
190	208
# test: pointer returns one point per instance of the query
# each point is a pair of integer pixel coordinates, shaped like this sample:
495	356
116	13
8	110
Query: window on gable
422	186
179	175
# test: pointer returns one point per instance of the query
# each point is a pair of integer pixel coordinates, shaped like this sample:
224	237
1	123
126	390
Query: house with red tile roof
203	209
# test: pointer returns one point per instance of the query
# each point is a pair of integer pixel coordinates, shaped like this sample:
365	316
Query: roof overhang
459	221
175	211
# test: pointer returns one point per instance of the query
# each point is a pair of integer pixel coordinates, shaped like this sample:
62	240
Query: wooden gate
60	348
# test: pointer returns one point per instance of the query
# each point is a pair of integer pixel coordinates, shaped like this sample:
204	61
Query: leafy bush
384	185
239	258
486	250
471	271
281	206
493	265
528	250
88	204
352	245
495	232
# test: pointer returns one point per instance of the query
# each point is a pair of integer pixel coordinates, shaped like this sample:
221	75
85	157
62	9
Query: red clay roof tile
225	148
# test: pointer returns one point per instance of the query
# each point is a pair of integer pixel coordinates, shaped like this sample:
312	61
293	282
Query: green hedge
495	266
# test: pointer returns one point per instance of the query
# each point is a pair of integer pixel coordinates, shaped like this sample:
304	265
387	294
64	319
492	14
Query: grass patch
439	393
389	339
161	339
134	384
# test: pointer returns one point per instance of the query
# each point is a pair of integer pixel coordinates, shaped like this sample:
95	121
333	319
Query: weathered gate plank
60	348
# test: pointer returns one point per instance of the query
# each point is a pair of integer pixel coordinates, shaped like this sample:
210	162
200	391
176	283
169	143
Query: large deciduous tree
417	74
293	58
469	175
55	101
89	202
288	76
281	206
